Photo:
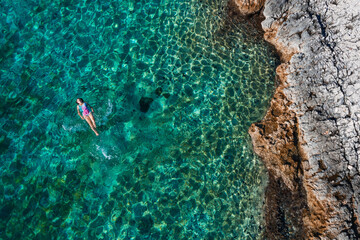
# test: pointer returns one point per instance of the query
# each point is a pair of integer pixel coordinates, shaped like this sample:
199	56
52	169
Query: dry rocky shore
309	139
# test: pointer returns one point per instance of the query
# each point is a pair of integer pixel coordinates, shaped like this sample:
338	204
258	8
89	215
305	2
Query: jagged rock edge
313	214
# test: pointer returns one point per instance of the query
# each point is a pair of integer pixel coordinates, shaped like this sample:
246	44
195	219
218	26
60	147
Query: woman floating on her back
87	111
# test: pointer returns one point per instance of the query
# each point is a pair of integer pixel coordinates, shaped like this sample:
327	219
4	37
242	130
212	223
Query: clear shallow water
182	170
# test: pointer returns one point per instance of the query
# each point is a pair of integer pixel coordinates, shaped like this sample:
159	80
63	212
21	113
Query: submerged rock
145	103
158	91
166	95
145	224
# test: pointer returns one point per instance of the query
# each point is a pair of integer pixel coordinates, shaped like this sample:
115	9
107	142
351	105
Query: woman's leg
92	119
87	118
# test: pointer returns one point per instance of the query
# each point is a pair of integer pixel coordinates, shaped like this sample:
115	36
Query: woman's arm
91	108
79	113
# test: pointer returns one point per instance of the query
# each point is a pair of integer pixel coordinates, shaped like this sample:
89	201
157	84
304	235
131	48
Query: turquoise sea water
179	166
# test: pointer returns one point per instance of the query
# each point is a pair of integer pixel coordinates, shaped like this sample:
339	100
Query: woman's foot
94	130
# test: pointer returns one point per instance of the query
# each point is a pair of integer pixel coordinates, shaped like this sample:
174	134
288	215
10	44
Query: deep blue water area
175	86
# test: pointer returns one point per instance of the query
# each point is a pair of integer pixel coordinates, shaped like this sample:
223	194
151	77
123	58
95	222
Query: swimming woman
87	113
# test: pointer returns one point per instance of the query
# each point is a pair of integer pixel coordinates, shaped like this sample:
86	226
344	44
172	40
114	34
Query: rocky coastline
310	137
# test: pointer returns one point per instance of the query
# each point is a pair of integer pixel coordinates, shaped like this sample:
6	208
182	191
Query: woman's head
79	101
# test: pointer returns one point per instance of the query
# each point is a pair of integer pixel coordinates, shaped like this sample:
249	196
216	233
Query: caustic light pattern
175	86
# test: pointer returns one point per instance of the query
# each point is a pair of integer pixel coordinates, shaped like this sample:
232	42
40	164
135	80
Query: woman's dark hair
80	99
